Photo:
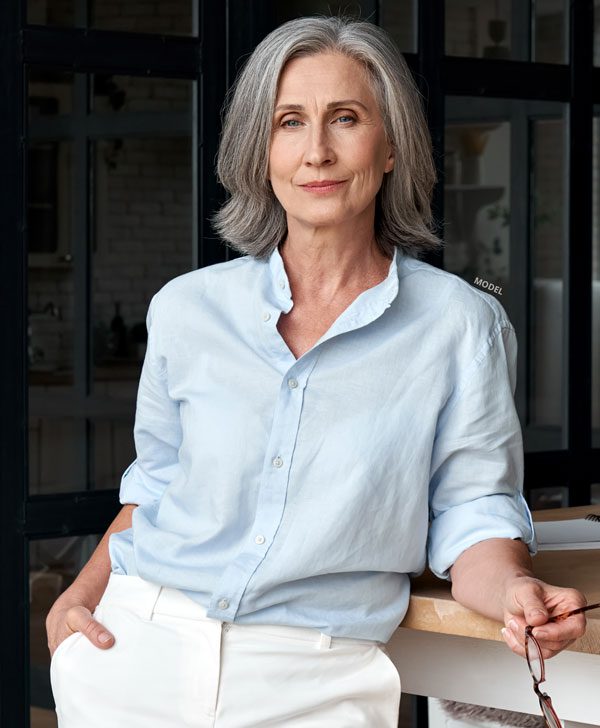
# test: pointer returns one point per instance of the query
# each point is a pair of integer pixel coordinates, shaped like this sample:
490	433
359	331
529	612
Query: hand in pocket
63	621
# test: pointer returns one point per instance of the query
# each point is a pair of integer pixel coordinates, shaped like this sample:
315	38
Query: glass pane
476	203
550	29
56	433
596	283
53	566
170	17
143	238
140	237
113	94
551	496
51	12
50	93
50	169
281	12
57	445
399	18
113	443
479	29
548	210
50	165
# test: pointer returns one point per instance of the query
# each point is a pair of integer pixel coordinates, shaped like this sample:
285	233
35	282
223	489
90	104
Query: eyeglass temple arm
564	615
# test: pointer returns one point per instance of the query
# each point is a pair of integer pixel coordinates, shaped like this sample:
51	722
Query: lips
323	187
324	183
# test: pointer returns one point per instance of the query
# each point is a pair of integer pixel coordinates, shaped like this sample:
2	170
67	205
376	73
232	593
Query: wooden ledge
432	608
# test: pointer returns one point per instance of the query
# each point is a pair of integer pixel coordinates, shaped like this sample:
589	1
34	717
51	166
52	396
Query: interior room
109	132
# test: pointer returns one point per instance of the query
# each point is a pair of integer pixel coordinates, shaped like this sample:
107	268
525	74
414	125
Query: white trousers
171	666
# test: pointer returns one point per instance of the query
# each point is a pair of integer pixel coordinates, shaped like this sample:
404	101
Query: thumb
80	619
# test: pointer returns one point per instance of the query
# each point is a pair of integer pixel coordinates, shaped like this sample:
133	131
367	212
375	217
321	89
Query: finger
79	619
517	628
553	648
98	634
569	599
512	642
549	647
532	602
570	629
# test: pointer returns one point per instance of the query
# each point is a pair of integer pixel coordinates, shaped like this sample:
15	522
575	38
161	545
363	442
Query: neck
323	268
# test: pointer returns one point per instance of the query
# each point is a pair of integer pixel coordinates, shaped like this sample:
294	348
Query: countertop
432	608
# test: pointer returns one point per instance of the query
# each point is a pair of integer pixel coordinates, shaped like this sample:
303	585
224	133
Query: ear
389	163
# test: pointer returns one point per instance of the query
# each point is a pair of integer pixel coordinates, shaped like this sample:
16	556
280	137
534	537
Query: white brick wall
143	238
146	239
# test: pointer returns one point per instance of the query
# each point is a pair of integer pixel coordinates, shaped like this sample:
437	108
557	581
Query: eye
290	123
345	119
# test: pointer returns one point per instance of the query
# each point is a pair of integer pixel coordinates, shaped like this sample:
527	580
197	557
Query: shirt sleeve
475	490
157	429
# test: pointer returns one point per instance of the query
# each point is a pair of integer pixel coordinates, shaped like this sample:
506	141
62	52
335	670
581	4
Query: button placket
273	490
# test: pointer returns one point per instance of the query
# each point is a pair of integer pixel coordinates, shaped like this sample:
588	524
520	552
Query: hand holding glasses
535	661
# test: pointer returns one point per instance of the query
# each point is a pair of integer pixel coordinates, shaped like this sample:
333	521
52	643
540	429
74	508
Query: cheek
274	158
370	160
281	156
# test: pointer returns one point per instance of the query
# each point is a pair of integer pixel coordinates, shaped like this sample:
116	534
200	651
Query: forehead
324	74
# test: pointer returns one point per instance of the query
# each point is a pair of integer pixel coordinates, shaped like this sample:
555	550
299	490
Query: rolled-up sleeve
157	429
476	483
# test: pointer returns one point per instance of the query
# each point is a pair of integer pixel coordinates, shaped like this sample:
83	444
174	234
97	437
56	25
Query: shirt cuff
494	516
134	488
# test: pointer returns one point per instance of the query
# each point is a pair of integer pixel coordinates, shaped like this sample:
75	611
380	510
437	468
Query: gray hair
252	221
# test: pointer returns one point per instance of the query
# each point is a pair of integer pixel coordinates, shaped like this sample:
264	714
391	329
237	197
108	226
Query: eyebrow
330	105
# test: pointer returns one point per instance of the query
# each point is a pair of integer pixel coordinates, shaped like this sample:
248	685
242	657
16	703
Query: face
328	151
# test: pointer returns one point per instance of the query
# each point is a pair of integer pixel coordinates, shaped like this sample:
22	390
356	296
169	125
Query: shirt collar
279	282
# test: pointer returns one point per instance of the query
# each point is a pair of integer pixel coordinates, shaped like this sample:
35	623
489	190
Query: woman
313	418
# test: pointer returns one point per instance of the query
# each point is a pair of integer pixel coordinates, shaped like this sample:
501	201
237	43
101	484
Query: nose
318	150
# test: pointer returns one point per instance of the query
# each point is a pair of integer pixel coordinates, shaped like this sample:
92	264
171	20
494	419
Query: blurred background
108	144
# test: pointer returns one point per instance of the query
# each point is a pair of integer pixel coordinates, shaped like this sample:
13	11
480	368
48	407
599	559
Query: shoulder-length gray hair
252	220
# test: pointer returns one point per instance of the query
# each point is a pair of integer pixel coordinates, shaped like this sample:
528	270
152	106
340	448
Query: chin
331	219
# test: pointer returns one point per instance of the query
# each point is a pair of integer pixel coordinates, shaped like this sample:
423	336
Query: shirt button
223	603
282	284
277	462
292	383
266	316
259	539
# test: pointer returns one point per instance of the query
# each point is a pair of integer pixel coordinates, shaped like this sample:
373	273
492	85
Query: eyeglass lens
536	664
549	714
534	659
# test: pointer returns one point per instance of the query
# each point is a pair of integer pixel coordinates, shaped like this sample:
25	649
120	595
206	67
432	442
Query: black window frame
577	85
202	57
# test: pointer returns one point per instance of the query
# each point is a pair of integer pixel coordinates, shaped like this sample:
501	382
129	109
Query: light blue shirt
305	492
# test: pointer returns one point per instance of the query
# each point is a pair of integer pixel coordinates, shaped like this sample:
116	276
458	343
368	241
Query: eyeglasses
535	661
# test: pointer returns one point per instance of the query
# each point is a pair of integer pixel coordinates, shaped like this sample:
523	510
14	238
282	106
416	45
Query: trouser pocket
153	675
